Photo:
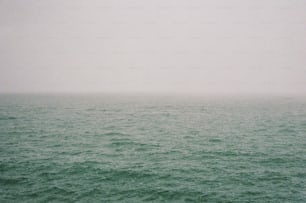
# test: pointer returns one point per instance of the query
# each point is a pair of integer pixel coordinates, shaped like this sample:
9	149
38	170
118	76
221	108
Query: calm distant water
111	148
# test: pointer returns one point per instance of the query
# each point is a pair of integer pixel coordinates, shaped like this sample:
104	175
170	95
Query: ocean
152	148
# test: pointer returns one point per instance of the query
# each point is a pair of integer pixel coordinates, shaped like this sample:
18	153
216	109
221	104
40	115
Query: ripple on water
145	151
8	118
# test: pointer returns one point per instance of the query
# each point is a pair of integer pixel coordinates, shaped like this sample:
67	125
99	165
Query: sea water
131	148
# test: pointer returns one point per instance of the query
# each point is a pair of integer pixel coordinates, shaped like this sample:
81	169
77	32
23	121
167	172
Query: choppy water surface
111	148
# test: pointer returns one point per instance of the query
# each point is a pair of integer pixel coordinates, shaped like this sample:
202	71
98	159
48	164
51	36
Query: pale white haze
175	46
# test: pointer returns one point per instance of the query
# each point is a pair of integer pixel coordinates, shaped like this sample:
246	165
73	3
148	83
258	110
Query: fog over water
237	46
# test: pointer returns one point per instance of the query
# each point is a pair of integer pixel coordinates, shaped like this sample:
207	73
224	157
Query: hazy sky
193	46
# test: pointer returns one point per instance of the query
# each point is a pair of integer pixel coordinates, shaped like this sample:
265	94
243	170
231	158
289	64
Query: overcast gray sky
188	46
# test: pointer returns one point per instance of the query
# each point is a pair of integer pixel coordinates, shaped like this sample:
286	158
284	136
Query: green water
111	148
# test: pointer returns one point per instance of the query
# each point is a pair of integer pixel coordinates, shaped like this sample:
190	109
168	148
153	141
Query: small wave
11	180
115	134
162	194
8	118
215	140
195	132
91	109
287	130
53	194
121	141
273	176
260	130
